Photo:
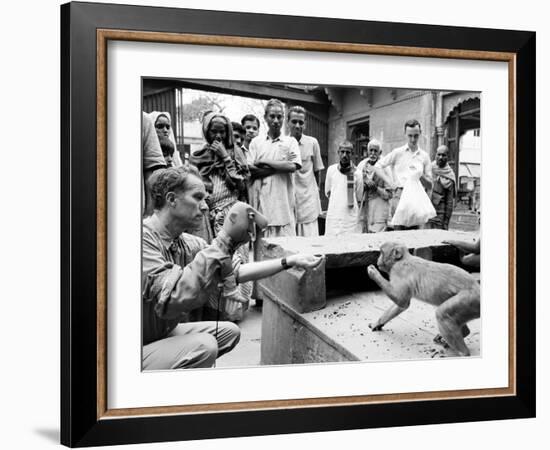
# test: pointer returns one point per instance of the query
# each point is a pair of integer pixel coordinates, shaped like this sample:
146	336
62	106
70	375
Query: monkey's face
390	253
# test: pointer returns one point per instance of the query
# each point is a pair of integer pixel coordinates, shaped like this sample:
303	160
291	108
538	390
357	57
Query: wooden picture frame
85	30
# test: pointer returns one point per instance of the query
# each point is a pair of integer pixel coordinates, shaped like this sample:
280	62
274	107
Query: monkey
453	291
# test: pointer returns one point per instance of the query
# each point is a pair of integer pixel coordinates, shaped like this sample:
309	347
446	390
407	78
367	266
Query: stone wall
337	133
386	115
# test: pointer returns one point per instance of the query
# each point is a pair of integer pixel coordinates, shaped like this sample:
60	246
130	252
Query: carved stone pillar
440	133
439	124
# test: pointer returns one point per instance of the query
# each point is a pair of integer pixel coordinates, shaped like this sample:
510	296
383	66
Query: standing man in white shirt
308	202
340	184
272	160
403	162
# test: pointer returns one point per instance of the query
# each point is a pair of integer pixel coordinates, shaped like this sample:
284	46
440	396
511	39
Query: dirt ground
247	351
346	319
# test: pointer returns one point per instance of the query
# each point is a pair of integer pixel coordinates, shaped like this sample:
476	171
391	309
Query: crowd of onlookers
186	205
278	175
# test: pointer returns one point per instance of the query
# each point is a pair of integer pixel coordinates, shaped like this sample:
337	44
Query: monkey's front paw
372	272
375	326
440	341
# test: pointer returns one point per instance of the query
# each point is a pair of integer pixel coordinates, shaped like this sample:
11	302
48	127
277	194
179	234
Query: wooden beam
246	89
470	112
149	89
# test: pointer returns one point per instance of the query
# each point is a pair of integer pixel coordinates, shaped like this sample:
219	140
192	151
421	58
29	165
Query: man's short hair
274	102
173	179
166	146
296	109
412	123
250	118
374	142
238	127
345	144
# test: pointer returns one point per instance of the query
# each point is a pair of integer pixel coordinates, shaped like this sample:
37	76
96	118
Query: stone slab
302	290
346	317
362	249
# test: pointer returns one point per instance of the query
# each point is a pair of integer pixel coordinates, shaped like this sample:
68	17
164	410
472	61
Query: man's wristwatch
284	264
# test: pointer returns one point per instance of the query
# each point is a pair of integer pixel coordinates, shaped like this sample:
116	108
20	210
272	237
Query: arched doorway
462	136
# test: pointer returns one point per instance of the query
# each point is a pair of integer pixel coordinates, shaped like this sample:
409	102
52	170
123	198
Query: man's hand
426	183
384	194
278	166
304	261
371	185
262	165
260	172
391	186
219	149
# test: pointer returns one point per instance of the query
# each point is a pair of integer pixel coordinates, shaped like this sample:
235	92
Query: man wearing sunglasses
404	162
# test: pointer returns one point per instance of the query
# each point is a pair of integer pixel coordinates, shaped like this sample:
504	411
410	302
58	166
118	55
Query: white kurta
308	203
341	219
275	194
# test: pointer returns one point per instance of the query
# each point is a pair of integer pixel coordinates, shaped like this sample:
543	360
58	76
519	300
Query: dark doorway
359	136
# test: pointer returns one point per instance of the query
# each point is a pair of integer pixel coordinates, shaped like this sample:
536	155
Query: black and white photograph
305	224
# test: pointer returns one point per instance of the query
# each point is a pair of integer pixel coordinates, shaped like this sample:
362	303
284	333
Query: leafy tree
198	106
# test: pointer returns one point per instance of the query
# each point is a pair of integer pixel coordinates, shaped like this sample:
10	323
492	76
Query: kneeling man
180	272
